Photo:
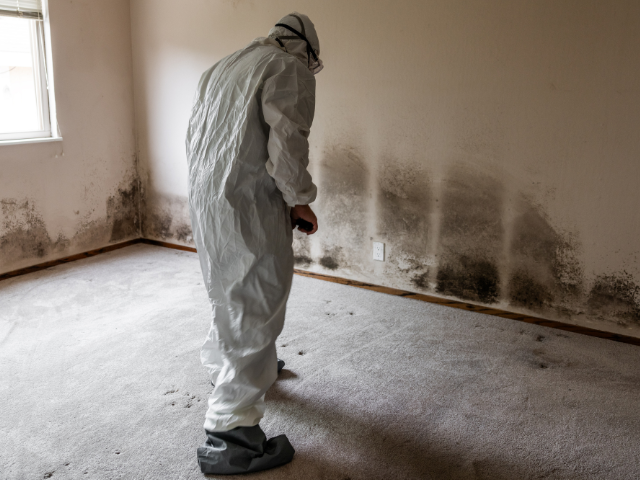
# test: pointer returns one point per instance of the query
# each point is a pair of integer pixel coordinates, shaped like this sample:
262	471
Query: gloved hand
304	212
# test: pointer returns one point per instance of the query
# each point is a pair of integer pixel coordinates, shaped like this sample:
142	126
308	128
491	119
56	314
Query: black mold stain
342	207
333	258
526	292
184	233
25	235
166	218
421	280
158	225
546	270
302	260
301	249
329	262
615	296
471	237
404	205
469	279
122	212
539	266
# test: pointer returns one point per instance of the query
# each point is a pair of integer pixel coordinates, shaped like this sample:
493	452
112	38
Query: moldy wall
492	145
62	198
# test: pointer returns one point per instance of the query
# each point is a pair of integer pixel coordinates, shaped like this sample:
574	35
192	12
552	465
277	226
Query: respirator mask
314	63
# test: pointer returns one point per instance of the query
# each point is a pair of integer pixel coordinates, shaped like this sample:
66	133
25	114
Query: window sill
19	141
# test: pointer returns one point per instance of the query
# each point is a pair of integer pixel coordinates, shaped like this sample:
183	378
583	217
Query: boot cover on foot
243	450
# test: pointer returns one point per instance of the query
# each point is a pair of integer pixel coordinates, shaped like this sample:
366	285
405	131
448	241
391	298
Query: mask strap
281	44
301	23
309	47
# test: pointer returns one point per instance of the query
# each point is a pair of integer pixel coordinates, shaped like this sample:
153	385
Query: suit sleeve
288	104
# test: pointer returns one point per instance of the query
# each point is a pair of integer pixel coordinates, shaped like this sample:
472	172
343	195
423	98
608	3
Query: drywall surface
62	198
492	145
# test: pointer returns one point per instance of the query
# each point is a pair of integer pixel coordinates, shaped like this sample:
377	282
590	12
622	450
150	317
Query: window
27	109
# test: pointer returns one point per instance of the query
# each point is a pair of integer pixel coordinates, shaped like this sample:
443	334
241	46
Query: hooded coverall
247	153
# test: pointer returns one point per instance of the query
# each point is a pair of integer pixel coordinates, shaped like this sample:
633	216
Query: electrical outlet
378	251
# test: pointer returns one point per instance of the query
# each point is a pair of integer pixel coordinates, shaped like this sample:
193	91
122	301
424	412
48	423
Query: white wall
491	144
62	198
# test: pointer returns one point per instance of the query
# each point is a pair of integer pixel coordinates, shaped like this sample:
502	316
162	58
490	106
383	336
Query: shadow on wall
462	236
25	240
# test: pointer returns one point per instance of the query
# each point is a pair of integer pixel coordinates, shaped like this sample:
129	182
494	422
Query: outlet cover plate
378	251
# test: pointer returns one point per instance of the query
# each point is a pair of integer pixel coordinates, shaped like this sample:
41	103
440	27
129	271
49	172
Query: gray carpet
101	380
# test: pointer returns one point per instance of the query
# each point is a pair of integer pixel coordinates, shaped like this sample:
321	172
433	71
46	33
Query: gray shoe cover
243	450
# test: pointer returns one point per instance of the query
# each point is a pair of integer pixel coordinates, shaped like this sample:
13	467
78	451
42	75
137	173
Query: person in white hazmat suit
248	153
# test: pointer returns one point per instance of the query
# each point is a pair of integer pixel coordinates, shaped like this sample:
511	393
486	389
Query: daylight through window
25	80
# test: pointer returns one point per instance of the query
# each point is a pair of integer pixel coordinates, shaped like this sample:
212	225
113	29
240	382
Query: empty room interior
469	307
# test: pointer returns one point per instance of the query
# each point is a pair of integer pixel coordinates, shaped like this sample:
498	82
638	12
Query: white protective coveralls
248	152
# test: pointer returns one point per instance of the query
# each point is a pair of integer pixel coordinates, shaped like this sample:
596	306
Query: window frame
44	88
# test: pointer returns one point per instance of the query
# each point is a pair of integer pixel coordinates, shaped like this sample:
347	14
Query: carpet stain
190	401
